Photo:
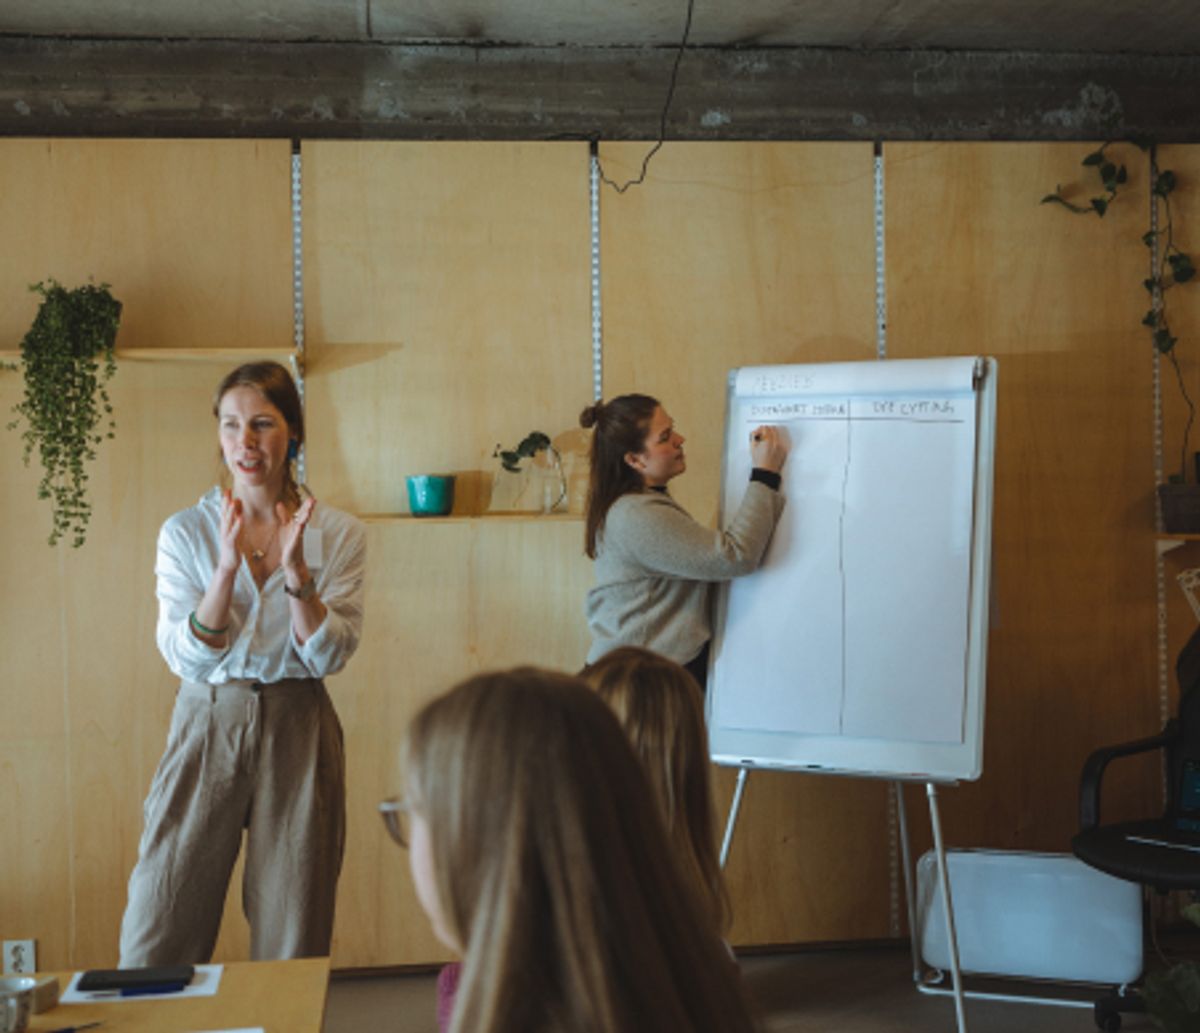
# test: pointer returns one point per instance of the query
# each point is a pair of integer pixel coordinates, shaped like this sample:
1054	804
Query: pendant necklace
257	555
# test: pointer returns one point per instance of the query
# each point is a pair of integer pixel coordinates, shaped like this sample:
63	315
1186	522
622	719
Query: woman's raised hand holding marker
767	449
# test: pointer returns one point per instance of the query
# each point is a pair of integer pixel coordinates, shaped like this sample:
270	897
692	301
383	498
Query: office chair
1164	852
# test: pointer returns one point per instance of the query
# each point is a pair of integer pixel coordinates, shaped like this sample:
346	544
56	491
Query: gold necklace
257	555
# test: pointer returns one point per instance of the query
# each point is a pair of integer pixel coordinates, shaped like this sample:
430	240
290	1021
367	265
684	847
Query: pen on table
156	988
77	1029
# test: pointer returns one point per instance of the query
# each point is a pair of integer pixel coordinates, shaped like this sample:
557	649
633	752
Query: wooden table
279	996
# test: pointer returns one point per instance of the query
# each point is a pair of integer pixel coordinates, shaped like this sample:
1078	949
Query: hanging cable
662	122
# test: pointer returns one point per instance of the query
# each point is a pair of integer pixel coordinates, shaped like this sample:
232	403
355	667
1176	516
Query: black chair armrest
1093	770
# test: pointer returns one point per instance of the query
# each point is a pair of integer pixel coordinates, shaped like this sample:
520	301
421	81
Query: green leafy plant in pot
1173	994
533	443
67	360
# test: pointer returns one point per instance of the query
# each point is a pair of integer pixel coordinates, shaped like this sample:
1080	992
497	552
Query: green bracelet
197	626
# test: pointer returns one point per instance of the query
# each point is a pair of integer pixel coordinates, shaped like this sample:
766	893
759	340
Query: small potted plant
1173	995
555	490
67	360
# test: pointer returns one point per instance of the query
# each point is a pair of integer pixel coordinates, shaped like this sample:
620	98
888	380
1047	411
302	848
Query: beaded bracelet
197	626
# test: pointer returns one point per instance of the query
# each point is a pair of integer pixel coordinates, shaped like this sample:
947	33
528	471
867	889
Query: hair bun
591	415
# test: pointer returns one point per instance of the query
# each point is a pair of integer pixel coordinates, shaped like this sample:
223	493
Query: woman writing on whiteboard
655	565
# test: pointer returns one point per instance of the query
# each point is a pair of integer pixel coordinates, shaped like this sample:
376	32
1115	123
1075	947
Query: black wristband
768	477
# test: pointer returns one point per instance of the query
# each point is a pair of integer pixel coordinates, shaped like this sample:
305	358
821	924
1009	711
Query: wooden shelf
408	518
283	355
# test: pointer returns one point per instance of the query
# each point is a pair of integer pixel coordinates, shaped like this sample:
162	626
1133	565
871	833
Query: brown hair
275	384
621	427
553	870
661	708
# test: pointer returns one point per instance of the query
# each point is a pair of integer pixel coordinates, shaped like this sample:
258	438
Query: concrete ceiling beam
52	87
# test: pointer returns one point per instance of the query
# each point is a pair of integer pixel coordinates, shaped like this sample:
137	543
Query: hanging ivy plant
67	360
1171	265
1112	177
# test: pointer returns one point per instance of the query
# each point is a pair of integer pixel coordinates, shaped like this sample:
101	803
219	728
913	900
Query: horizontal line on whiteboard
856	419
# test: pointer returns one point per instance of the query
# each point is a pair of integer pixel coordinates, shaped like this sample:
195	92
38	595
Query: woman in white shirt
260	597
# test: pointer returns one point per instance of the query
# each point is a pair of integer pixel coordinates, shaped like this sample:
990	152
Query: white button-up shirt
260	644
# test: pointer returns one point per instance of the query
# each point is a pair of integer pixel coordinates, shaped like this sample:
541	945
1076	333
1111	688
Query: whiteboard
860	645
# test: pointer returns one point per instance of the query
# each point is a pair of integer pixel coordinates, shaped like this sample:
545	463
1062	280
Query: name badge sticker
313	552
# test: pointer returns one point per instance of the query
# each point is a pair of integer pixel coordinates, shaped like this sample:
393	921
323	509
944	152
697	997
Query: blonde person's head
661	708
552	871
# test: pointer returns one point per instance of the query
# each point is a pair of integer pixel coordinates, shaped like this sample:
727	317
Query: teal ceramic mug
430	495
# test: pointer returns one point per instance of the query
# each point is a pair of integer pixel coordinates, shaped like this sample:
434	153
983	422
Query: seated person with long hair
540	857
661	708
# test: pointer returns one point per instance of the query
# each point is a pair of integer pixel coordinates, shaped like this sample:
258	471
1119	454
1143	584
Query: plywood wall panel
193	236
448	309
809	861
36	874
1183	310
415	644
732	255
195	240
977	266
1182	305
446	599
529	581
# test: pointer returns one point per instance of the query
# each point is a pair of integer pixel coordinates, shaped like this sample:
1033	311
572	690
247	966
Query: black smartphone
134	978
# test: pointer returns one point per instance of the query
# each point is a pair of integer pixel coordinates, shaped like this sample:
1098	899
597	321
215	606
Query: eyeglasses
394	812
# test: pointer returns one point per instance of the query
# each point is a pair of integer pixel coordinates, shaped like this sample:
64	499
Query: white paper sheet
204	983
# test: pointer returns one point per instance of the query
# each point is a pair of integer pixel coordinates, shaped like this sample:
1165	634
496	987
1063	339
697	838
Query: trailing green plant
1112	177
1173	994
533	443
67	360
1171	265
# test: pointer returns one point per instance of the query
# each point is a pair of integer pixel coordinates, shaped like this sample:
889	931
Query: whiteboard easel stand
734	807
951	934
943	878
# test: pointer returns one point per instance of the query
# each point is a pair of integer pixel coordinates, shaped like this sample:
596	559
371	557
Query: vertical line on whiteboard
842	563
880	267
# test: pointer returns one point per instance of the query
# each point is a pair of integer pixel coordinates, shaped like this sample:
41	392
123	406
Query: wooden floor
854	990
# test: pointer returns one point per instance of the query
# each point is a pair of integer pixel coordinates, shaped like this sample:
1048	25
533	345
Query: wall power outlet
20	956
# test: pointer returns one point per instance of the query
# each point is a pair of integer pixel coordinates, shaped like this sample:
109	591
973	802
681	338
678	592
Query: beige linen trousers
263	759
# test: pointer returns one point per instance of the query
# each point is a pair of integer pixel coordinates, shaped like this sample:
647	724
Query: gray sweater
655	567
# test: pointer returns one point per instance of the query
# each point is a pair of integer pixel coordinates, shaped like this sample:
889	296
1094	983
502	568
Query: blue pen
154	988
